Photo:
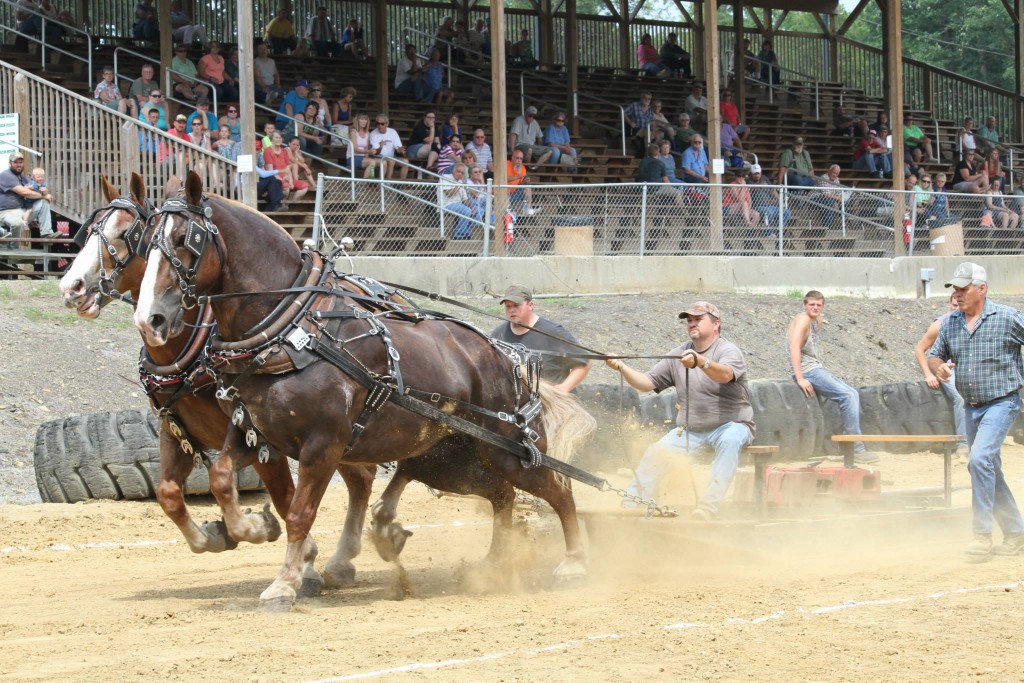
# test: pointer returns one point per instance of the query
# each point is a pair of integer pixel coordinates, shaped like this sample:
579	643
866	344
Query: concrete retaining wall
899	278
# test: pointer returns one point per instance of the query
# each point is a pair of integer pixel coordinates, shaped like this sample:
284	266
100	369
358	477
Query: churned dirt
107	590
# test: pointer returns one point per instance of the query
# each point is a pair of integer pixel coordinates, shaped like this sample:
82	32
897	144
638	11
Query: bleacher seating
773	125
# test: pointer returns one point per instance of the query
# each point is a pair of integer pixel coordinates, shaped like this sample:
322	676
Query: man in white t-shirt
527	136
385	142
267	79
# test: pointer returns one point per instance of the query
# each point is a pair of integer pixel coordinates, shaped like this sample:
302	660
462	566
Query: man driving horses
525	327
714	406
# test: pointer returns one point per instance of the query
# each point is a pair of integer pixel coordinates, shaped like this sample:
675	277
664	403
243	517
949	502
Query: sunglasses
382	123
559	120
315	90
155	94
232	111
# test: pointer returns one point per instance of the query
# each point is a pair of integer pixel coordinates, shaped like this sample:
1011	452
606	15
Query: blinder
133	239
198	235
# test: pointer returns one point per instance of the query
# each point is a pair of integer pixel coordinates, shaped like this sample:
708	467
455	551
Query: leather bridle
133	237
198	235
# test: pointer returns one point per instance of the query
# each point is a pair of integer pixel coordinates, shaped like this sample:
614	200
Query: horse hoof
272	525
391	541
570	571
281	604
217	537
311	587
343	577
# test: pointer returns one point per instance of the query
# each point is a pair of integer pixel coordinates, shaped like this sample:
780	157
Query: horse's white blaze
147	293
84	268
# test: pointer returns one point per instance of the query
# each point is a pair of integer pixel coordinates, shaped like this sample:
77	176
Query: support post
697	58
892	48
546	39
739	60
1018	49
834	69
380	52
246	101
499	145
714	136
625	44
572	64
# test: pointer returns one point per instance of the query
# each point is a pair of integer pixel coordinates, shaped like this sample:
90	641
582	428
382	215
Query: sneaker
531	211
702	515
865	458
933	160
1011	545
981	545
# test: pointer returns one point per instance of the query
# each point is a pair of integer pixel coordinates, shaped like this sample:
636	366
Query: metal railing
118	145
44	46
169	89
576	96
123	50
447	66
730	68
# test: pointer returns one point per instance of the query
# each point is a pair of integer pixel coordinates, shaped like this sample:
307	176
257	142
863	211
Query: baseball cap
181	117
517	294
531	110
15	156
966	273
202	99
302	83
755	168
701	308
798	141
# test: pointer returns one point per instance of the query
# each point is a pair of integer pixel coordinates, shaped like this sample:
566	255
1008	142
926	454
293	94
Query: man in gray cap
525	327
527	136
982	341
20	204
714	406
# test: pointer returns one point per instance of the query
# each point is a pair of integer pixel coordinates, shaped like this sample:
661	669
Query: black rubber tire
898	408
111	456
786	418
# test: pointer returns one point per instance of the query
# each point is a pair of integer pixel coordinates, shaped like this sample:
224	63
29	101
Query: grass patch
795	294
6	292
47	288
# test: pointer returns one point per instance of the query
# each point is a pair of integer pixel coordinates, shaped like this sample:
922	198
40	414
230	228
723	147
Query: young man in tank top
804	342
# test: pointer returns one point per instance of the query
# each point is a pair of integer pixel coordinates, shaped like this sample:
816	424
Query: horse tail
566	422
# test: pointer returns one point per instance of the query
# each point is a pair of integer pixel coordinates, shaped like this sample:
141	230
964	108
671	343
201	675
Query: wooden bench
761	456
949	442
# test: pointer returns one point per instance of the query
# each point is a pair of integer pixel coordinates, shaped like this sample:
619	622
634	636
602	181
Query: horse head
185	258
110	240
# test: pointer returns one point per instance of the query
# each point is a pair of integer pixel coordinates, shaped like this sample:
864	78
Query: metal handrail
117	72
575	105
448	43
730	68
448	65
42	38
169	88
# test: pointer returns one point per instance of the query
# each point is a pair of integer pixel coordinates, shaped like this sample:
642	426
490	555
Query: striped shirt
483	154
988	360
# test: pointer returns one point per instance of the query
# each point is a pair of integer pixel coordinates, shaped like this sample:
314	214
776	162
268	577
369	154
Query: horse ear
172	186
109	191
193	188
138	189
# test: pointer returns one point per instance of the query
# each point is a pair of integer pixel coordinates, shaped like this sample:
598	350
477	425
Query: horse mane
566	422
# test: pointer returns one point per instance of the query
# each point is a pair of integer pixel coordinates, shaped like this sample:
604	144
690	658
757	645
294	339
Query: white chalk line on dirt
447	663
64	547
679	626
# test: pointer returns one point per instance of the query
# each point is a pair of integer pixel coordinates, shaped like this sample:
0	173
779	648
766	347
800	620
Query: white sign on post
718	166
8	136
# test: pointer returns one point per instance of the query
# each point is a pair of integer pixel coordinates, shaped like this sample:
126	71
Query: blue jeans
726	440
771	214
831	387
794	178
949	389
987	426
463	229
874	163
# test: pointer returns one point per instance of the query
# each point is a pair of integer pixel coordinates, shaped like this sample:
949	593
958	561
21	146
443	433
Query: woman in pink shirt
211	68
647	55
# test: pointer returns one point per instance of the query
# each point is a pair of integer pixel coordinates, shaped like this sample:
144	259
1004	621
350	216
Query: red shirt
731	113
863	146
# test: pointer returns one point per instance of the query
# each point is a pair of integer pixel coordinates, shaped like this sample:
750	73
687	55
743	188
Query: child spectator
109	95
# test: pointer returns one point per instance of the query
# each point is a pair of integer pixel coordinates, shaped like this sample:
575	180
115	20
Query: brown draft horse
310	413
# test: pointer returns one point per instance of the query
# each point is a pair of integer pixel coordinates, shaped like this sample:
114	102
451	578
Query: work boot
981	545
1011	545
865	458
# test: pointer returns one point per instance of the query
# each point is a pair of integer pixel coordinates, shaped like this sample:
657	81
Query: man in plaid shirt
982	341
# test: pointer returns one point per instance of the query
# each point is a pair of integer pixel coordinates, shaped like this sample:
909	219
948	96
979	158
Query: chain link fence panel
416	218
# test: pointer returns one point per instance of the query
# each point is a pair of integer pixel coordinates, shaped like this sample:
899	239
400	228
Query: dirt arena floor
108	591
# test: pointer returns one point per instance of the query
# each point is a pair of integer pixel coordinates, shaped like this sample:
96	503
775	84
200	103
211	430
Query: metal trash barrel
574	235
